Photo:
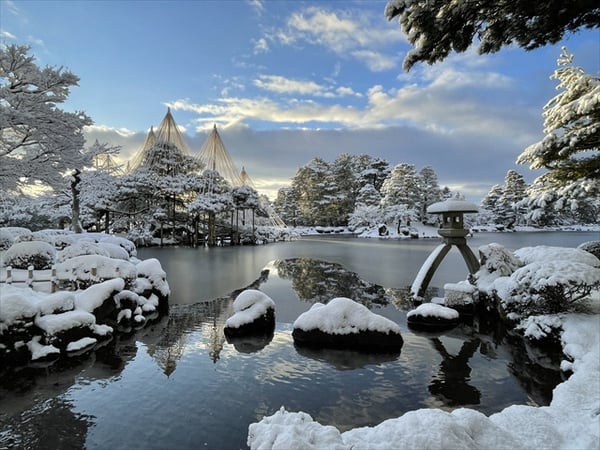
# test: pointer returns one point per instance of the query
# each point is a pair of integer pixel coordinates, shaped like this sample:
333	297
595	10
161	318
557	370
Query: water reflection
320	281
346	359
250	343
194	388
450	385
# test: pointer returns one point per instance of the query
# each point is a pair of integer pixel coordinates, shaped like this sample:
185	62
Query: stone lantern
453	232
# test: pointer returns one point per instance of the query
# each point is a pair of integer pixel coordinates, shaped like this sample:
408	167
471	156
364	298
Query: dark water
178	383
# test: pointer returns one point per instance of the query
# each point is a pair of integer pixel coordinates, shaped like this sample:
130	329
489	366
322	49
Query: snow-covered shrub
543	253
548	287
24	237
496	261
63	240
79	248
6	239
121	241
537	280
114	251
592	247
17	231
21	255
43	236
79	270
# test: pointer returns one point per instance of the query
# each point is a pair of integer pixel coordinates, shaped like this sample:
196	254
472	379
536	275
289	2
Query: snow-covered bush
496	259
121	241
80	248
592	247
86	270
63	240
6	239
17	231
537	280
548	287
21	255
114	251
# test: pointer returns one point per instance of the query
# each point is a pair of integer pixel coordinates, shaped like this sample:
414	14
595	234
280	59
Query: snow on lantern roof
452	205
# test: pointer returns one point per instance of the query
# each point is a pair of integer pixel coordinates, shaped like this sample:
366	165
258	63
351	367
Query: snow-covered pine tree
401	187
429	190
490	202
509	209
570	149
436	28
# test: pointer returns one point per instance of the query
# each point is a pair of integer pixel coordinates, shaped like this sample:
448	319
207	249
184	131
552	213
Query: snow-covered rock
432	316
151	270
344	323
254	312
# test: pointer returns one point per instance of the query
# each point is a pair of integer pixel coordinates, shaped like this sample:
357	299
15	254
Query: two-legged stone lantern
453	232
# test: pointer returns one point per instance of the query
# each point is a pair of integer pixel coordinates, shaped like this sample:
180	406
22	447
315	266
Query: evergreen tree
435	28
429	191
491	201
509	207
570	151
401	187
368	196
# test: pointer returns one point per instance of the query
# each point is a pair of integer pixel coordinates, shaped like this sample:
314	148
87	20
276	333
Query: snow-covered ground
419	230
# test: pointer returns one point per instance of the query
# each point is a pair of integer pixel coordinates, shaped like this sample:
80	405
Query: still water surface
178	383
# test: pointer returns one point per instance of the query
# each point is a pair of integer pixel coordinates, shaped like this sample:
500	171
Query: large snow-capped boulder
254	313
432	316
344	323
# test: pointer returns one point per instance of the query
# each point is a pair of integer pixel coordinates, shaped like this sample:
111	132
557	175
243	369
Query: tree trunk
75	224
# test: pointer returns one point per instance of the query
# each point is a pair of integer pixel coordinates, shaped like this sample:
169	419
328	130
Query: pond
178	383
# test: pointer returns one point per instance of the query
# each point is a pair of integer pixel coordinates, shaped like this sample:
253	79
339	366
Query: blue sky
286	81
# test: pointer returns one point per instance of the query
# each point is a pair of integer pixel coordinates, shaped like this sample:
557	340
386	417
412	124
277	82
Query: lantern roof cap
452	205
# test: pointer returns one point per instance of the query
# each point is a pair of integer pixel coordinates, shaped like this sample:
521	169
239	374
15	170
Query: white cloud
344	33
447	100
375	61
282	85
261	46
7	35
124	132
257	5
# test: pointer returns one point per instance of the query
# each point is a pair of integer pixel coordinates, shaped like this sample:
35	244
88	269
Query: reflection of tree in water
49	425
320	281
185	322
450	384
536	370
